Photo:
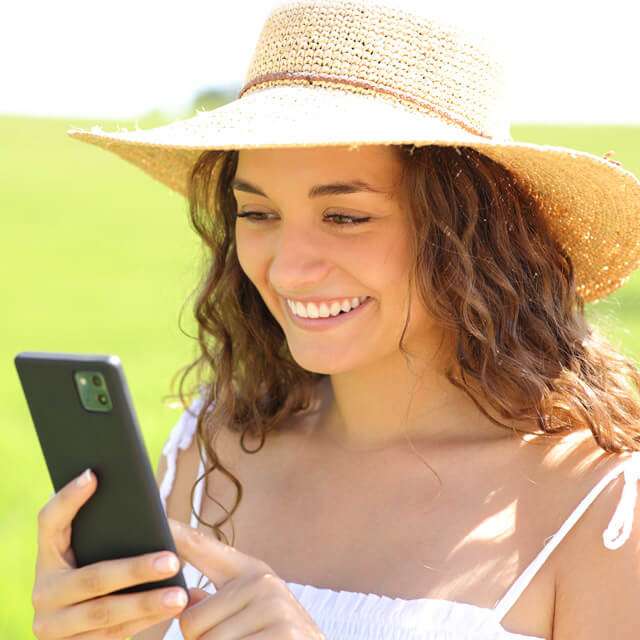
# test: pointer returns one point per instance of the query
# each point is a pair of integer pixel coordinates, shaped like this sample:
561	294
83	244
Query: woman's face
301	247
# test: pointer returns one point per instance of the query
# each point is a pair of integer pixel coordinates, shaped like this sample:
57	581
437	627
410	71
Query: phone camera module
93	391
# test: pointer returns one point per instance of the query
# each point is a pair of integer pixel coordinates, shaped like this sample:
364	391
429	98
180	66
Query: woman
417	433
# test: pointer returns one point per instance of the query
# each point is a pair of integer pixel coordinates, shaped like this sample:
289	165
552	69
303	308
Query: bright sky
567	60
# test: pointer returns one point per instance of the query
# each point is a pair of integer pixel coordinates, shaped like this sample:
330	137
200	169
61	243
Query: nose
301	260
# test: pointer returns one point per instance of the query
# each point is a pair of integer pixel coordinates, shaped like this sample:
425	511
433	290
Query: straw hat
349	72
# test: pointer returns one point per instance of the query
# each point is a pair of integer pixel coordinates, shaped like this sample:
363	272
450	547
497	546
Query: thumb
195	596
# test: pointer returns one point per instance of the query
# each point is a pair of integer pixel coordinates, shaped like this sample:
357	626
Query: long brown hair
487	269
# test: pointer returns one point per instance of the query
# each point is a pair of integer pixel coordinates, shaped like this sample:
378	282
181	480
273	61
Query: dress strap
181	437
614	536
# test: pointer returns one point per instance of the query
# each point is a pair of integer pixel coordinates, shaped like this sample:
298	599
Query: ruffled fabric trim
349	615
353	615
180	437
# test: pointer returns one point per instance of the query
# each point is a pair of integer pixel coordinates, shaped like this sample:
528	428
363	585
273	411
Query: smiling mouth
341	311
330	321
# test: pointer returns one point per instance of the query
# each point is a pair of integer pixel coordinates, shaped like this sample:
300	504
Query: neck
379	407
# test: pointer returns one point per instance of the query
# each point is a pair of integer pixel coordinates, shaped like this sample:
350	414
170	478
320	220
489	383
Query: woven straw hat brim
592	204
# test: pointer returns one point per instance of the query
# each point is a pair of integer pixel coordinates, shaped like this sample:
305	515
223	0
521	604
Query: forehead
378	165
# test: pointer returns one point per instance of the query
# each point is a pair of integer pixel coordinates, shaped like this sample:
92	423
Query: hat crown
372	48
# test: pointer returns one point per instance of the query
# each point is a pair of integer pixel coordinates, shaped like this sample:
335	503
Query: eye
258	216
351	219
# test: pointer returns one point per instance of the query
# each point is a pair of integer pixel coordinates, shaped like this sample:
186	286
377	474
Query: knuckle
41	592
266	577
37	597
284	631
117	631
98	613
44	516
39	627
139	570
263	567
269	581
278	607
150	603
91	582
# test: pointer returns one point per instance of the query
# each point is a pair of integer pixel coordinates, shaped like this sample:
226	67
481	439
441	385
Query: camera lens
96	381
102	399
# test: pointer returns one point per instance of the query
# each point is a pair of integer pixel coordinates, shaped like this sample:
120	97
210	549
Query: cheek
389	271
251	254
388	266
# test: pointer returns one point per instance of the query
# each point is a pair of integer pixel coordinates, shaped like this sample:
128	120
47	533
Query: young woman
404	425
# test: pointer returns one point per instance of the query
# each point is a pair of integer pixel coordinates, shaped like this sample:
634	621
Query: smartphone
84	417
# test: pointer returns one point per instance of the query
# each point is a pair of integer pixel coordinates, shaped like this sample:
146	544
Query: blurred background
96	257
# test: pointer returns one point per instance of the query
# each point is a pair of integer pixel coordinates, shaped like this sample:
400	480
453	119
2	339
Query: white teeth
323	310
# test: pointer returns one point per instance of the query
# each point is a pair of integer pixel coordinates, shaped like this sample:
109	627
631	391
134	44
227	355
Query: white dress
349	615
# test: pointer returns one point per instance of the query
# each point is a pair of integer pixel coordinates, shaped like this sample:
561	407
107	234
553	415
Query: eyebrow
317	191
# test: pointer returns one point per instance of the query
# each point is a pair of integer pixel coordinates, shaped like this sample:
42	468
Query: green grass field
99	258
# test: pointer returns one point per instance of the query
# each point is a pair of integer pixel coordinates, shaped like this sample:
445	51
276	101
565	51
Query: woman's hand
251	601
71	602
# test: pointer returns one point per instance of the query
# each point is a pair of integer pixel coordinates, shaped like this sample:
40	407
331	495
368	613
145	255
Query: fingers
232	623
218	561
105	577
122	615
125	630
196	595
54	523
71	601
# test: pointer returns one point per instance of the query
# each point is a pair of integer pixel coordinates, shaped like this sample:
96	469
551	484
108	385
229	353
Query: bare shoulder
597	588
178	508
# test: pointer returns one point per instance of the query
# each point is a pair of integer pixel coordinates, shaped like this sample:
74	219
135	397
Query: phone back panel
124	517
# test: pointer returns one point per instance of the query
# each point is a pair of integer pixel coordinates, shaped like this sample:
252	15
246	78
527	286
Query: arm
599	588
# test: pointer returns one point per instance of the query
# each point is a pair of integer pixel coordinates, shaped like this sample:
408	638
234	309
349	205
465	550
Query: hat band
357	86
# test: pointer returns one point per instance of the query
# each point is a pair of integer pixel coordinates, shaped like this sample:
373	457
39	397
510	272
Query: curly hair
487	269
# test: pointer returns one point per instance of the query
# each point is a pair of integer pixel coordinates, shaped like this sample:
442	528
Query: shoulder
178	465
597	587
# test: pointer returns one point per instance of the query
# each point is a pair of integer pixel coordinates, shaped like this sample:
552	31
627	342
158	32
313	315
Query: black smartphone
84	417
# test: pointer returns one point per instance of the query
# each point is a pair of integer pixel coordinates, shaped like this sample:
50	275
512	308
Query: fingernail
176	598
84	479
166	563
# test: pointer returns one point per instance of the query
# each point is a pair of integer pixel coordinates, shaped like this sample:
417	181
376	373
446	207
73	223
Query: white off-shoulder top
348	615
